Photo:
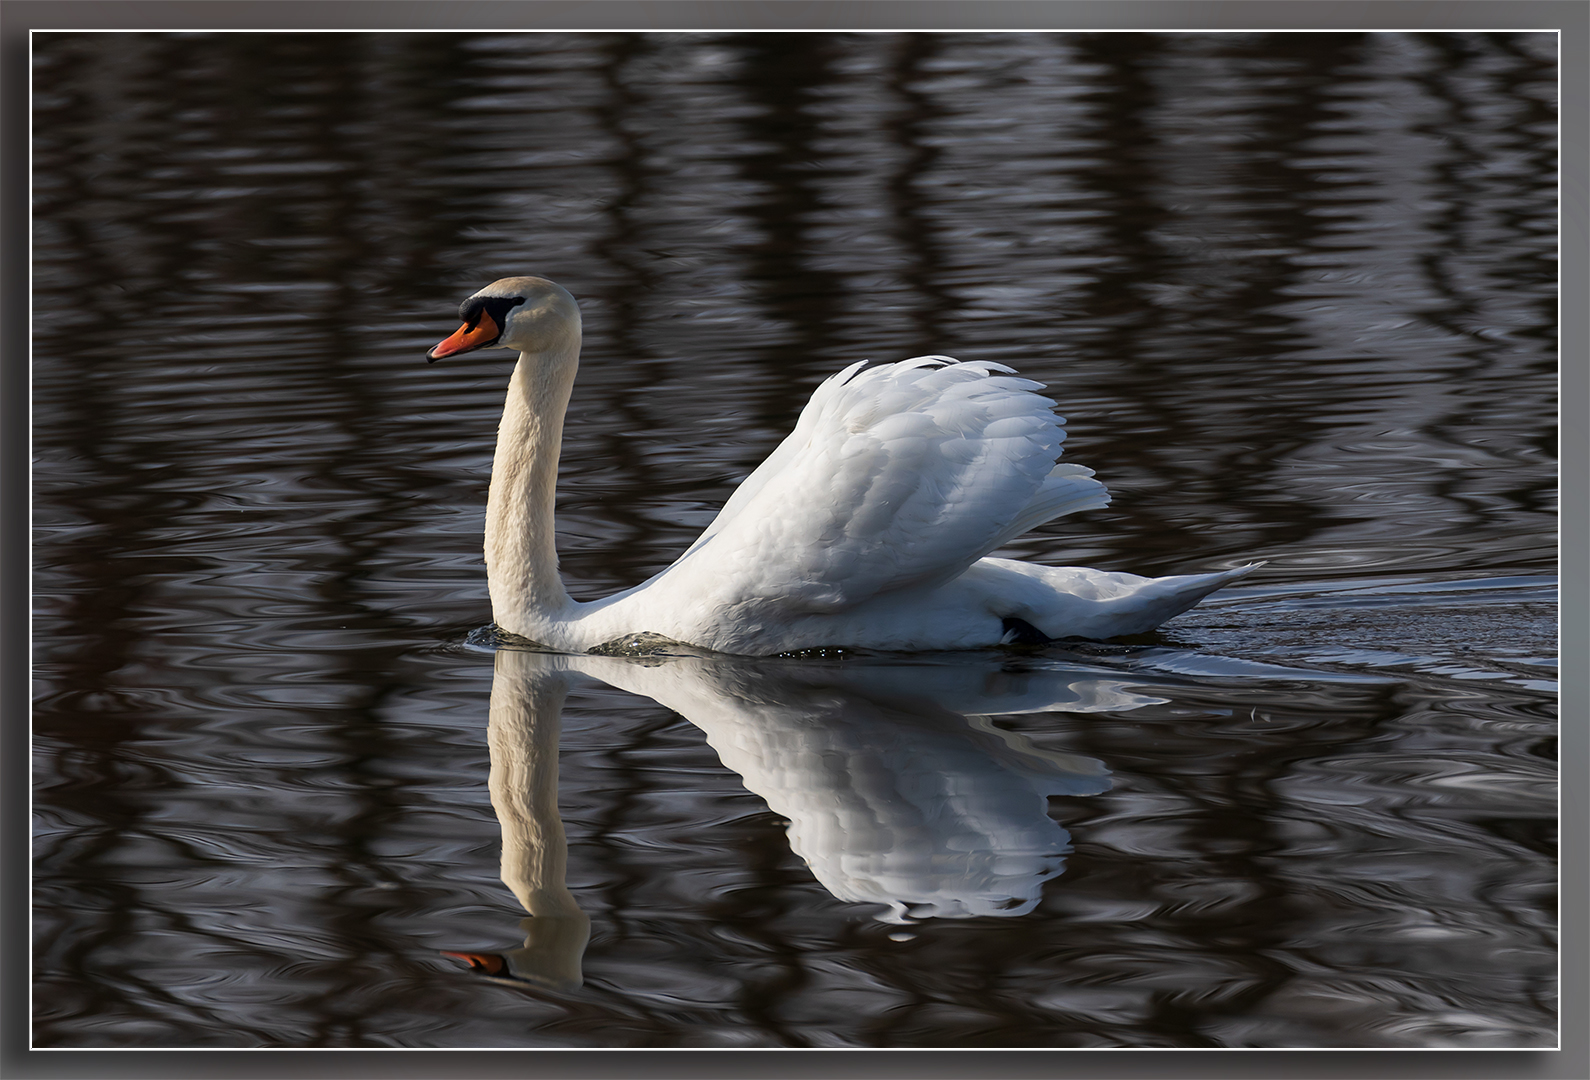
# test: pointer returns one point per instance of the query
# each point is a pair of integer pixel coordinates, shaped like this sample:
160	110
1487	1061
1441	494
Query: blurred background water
1294	292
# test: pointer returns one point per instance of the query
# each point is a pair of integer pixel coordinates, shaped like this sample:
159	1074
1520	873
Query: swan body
868	527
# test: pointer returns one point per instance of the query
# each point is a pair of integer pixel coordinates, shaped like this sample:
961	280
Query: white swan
867	527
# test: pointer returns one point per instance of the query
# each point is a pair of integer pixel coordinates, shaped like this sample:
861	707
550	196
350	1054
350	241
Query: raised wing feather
895	476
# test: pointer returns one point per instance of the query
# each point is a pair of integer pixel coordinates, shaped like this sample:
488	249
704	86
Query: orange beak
464	339
489	963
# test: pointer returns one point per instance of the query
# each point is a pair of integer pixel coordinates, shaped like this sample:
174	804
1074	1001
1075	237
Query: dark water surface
1295	293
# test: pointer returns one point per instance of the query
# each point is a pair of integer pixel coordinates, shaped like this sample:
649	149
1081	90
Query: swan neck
521	550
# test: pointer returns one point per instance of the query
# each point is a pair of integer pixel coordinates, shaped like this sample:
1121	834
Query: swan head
526	314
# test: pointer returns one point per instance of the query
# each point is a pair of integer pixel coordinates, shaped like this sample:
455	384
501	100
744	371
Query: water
1294	292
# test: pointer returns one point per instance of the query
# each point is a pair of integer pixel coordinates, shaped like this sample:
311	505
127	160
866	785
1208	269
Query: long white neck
527	594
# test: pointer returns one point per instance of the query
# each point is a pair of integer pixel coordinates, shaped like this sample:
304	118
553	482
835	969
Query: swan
869	527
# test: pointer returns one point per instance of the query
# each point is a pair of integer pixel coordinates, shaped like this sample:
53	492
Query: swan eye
497	307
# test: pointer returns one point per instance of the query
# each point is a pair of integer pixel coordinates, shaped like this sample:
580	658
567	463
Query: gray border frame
1570	17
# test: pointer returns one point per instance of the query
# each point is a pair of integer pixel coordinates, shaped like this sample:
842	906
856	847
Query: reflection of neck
521	550
526	711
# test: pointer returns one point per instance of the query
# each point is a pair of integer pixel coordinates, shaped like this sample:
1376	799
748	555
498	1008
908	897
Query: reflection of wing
891	797
896	475
919	812
989	686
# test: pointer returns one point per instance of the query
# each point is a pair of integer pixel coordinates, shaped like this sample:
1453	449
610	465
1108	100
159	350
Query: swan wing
895	476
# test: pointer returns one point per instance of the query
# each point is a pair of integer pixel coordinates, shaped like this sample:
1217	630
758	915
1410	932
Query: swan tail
1096	604
1165	598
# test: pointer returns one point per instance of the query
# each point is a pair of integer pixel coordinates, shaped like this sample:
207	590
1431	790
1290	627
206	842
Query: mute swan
868	527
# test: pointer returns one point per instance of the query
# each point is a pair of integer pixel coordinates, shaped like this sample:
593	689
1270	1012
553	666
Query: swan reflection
527	693
898	788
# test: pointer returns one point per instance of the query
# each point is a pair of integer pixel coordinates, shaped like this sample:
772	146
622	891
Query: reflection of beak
486	963
464	339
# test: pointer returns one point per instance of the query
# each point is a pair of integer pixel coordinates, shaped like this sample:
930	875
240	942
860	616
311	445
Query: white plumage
867	527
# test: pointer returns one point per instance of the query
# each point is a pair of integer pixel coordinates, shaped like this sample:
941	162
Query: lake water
1294	293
